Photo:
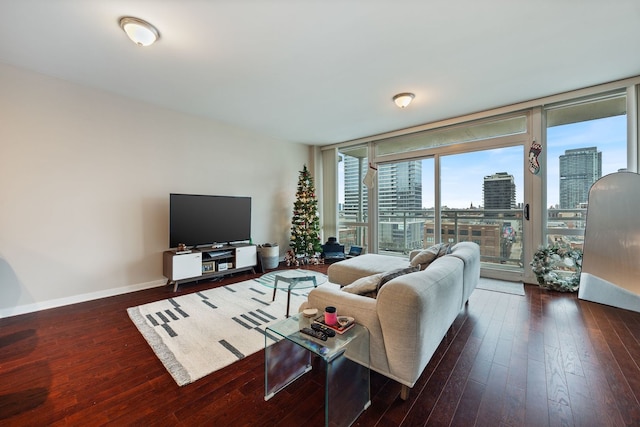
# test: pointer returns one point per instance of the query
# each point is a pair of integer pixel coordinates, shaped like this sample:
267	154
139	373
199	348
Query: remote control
327	331
316	334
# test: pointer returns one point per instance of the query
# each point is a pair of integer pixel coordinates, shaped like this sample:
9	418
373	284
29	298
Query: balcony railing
498	232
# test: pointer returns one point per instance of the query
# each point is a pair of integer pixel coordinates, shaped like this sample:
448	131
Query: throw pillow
364	285
388	276
427	256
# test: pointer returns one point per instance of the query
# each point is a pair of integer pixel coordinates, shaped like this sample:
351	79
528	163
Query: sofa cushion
348	271
390	275
364	285
370	285
427	256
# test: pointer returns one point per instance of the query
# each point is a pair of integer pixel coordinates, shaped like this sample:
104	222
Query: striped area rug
196	334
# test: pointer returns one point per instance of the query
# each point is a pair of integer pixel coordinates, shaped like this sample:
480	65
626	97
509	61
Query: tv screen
199	220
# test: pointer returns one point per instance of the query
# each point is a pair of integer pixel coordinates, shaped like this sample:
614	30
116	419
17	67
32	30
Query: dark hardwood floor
543	359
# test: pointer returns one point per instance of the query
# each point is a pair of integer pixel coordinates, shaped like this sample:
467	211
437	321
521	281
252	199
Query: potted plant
557	267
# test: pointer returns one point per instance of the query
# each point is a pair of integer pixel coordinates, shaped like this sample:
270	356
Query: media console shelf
205	263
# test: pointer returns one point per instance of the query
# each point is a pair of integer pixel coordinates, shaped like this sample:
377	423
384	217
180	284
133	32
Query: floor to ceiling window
461	191
405	205
482	200
472	180
585	140
353	197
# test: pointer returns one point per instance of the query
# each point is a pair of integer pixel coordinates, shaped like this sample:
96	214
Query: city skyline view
459	190
577	151
462	175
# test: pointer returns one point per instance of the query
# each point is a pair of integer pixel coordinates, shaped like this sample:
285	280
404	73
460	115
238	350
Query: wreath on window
557	267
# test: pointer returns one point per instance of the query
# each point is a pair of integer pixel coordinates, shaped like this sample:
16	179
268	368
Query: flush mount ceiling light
140	32
403	99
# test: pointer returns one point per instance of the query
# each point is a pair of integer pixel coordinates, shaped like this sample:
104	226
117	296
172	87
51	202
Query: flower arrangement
557	267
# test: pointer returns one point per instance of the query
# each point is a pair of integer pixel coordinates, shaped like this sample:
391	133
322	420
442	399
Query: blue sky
463	174
608	134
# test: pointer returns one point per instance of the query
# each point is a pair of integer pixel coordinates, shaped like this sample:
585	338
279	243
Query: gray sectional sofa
411	313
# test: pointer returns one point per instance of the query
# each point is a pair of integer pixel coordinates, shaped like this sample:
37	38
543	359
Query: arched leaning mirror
611	259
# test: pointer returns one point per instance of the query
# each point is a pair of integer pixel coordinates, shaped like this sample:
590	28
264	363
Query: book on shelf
339	328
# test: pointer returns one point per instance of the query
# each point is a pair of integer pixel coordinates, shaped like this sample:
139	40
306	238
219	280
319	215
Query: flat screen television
200	220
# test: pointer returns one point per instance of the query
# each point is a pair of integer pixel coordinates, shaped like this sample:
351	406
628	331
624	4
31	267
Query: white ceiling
324	71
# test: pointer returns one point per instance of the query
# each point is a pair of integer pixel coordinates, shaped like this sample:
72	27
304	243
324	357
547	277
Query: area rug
514	288
196	334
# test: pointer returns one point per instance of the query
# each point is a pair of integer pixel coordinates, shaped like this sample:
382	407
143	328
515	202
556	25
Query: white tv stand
205	263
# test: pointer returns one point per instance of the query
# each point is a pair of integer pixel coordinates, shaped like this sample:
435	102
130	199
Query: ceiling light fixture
403	99
140	32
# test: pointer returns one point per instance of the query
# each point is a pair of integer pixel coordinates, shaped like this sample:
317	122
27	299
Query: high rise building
499	191
355	193
399	204
400	186
579	169
399	189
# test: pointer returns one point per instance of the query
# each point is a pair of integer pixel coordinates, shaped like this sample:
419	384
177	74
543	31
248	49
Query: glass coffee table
287	280
345	359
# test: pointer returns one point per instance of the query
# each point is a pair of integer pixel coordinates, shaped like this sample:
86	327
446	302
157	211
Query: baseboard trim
75	299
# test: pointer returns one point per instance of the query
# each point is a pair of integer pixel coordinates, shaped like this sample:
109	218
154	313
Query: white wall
85	178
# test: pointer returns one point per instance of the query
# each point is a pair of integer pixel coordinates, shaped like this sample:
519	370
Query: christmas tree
305	225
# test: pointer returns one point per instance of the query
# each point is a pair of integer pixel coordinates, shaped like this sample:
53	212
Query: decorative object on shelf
305	225
181	249
557	267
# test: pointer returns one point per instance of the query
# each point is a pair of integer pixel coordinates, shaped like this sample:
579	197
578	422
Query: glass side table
287	280
345	358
